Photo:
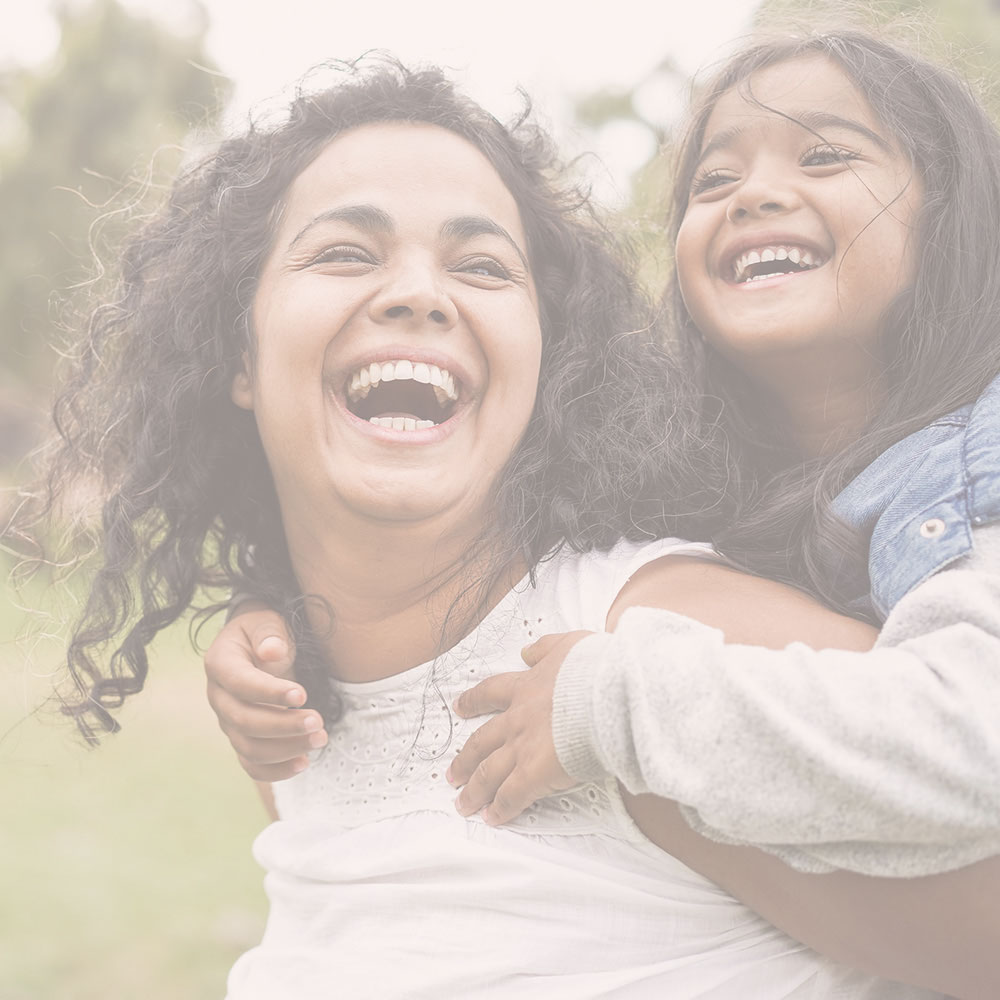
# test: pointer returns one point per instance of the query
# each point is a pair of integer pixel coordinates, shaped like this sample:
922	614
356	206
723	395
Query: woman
381	346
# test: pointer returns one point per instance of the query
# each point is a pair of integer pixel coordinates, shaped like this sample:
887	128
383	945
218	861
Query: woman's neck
399	594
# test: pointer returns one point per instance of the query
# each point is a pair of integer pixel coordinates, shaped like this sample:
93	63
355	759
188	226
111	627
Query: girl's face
800	228
398	341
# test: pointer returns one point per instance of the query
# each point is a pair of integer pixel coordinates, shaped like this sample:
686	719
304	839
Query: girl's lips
758	255
770	280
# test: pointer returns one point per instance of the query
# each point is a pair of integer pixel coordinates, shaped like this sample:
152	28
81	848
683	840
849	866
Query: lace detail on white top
388	753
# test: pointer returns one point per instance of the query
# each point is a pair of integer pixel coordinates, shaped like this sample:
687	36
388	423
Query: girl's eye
343	255
708	180
485	267
826	155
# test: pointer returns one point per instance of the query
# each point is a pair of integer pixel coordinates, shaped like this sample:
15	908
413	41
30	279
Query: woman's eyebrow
464	227
367	218
812	121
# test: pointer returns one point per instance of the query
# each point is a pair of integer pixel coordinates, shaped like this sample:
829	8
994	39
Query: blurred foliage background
125	872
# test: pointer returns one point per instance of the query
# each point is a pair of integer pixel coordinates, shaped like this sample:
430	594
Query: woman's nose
413	295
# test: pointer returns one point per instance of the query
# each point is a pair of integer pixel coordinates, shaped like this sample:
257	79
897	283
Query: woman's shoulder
581	586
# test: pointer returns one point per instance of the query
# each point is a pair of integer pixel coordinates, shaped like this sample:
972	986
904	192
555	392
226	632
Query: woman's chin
412	500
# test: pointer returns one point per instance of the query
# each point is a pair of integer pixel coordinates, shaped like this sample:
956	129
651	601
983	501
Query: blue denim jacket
920	500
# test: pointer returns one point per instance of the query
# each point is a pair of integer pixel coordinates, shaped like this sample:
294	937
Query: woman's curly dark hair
940	343
613	449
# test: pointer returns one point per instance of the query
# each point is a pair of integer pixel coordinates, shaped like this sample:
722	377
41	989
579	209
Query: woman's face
799	231
398	340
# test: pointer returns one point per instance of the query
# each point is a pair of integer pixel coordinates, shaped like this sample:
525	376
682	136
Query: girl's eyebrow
367	218
812	121
465	227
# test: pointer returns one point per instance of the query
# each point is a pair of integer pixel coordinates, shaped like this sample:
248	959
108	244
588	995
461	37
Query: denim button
932	528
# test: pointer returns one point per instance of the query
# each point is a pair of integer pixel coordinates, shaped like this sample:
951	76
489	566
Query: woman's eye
708	180
485	267
825	156
342	255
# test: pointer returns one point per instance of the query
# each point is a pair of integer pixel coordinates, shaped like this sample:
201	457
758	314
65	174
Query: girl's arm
884	762
251	688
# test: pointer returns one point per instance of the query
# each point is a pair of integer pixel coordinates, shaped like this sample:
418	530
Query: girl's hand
249	669
510	761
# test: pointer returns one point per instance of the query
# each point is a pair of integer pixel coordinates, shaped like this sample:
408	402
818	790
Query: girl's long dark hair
145	422
940	344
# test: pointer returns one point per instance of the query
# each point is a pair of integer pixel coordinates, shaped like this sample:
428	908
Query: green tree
85	140
962	34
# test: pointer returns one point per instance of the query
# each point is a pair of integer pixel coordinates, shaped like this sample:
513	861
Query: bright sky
555	50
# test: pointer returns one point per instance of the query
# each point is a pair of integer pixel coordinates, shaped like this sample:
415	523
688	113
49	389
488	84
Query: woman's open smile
397	329
404	394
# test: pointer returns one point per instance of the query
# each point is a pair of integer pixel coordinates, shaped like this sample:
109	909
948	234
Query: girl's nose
760	195
738	212
412	295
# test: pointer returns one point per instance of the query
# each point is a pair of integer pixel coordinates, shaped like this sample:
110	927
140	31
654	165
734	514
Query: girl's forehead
798	89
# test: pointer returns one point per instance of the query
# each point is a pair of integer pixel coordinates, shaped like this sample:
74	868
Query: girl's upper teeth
442	381
799	256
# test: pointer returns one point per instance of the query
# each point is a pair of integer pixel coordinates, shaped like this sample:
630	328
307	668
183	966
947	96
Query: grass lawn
125	872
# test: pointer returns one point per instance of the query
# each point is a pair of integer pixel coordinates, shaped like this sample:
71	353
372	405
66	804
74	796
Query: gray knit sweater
885	762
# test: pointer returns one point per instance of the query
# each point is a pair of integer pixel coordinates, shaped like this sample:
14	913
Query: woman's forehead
402	168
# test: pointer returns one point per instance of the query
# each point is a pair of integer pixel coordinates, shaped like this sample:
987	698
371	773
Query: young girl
838	204
362	356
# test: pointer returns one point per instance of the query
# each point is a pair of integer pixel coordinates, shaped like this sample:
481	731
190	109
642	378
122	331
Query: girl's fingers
261	752
547	644
256	721
229	664
491	695
274	772
483	742
273	647
511	799
481	788
540	648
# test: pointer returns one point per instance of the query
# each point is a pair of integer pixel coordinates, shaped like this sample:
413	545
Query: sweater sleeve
885	762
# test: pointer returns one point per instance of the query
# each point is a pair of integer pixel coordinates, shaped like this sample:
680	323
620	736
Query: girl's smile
799	229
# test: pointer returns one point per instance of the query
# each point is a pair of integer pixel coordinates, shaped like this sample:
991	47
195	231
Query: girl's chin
775	340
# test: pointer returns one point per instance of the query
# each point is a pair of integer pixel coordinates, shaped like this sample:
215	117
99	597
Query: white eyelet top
380	889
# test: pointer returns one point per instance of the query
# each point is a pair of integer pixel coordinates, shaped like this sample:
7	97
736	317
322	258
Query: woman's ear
241	390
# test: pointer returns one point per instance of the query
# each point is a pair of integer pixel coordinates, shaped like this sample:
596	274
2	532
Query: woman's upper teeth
440	379
802	258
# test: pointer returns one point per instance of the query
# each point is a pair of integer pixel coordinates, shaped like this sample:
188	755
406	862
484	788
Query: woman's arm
939	931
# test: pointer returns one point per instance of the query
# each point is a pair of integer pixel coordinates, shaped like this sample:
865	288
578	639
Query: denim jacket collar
919	501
